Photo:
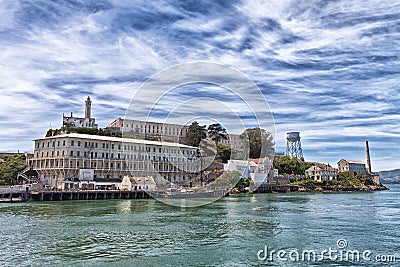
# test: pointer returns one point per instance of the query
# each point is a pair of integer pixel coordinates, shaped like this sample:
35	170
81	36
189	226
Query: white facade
150	130
138	183
167	132
234	141
318	174
81	157
258	171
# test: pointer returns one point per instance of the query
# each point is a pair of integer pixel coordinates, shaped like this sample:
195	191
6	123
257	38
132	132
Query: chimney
368	158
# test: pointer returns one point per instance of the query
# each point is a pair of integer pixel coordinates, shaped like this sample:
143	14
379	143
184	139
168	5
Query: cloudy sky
329	69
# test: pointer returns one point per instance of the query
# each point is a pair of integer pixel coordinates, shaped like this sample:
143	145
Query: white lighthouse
76	122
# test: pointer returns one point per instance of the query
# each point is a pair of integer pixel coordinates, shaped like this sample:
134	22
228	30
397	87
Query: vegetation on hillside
287	165
227	179
345	179
10	167
82	130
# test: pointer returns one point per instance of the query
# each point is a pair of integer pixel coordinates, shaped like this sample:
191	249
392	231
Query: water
228	232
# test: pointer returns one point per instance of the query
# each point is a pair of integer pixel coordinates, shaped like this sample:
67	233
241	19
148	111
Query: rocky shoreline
306	188
366	188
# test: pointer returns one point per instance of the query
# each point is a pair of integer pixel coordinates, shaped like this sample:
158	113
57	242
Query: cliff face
390	177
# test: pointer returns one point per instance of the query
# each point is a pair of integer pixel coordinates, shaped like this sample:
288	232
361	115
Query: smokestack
368	158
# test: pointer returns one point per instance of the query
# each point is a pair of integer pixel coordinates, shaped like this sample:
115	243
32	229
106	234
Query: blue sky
329	69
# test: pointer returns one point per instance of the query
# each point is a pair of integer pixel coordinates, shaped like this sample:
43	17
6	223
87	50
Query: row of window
117	146
117	166
155	129
106	155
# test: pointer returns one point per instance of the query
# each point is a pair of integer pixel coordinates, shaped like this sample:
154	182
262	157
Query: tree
195	134
10	167
289	165
224	153
217	132
258	142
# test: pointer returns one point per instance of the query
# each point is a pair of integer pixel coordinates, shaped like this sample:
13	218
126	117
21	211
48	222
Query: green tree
195	134
10	167
224	153
289	165
217	132
258	142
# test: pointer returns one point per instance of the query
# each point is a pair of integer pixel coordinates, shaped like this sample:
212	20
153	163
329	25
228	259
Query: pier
86	195
273	188
115	194
8	195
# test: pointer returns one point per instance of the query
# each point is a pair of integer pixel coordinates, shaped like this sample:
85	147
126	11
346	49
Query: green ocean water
228	232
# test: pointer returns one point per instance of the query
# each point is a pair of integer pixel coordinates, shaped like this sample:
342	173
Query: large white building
165	132
156	131
63	160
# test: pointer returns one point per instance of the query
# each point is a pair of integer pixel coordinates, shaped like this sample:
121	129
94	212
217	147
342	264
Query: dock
273	188
11	195
86	195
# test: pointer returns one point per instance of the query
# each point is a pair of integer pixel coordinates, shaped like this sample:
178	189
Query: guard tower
293	145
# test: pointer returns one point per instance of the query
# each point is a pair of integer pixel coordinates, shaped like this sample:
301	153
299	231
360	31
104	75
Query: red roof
259	160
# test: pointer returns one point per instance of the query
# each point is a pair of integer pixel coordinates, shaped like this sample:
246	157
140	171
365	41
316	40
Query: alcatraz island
140	159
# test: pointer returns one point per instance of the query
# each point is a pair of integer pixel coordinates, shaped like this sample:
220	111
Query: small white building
318	174
86	122
355	166
138	183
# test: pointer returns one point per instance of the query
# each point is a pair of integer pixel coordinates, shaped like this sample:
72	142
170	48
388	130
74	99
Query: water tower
293	145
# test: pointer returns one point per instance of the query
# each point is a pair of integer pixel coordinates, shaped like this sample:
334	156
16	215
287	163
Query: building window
78	153
72	142
79	143
72	153
112	146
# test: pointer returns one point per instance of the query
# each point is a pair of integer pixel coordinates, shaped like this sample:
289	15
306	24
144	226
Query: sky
328	69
